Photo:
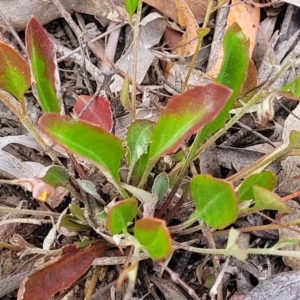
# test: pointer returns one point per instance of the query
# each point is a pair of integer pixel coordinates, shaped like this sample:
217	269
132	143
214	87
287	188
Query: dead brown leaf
247	17
169	8
60	273
188	42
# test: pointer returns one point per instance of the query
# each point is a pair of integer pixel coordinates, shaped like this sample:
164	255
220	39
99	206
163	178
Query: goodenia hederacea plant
184	115
265	179
154	236
15	73
87	140
291	90
14	81
138	138
232	73
264	199
42	59
98	111
120	214
215	200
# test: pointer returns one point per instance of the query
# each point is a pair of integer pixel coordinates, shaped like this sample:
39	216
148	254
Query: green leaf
266	179
294	139
292	89
68	222
89	188
161	185
102	217
265	199
184	115
120	214
14	72
139	169
77	212
142	195
232	73
56	176
43	64
215	200
87	140
137	139
131	6
154	236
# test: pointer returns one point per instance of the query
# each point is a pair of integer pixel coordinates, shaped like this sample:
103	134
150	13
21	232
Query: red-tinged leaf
14	72
60	273
98	112
184	115
87	140
120	214
42	58
154	236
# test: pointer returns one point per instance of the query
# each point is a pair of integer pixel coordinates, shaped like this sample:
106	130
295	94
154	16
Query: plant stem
29	212
200	34
177	228
148	169
136	30
263	251
16	108
260	163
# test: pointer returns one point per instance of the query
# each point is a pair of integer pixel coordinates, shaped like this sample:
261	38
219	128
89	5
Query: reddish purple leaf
60	273
98	112
42	58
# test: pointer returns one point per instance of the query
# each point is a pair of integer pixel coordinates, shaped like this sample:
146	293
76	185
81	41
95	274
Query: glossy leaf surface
215	200
266	179
97	113
14	72
42	58
120	214
87	140
232	74
184	115
154	236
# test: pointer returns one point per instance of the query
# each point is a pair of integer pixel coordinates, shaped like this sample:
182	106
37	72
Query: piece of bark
280	286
